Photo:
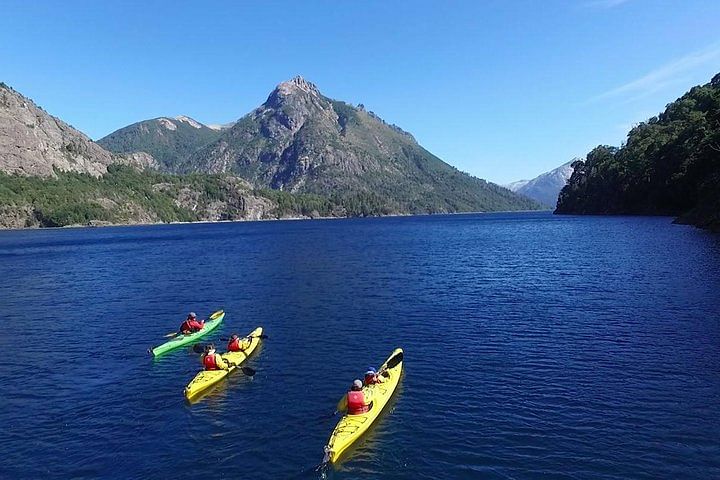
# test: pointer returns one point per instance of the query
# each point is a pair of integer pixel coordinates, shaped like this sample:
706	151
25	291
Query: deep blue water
536	346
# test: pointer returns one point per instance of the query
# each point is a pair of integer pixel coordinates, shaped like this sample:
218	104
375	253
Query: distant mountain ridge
546	187
170	140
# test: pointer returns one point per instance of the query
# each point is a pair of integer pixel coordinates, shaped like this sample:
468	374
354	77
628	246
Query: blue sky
501	89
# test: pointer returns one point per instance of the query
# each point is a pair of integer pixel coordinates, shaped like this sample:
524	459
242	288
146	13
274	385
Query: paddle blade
248	371
394	361
342	404
173	334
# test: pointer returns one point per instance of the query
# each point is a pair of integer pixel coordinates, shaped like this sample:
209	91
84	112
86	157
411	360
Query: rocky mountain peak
295	90
296	85
189	121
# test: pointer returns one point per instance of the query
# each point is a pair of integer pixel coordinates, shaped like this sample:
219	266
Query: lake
536	346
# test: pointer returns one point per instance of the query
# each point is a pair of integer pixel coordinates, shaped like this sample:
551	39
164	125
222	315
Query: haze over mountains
300	154
546	187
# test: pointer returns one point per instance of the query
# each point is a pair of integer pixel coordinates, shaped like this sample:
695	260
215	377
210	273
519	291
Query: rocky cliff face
302	141
33	142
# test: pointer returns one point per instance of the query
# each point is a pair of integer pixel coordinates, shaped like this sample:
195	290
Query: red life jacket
371	379
210	362
356	403
185	327
234	345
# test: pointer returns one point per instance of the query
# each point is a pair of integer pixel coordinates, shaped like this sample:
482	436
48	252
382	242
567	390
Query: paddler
372	377
212	360
191	324
236	344
356	399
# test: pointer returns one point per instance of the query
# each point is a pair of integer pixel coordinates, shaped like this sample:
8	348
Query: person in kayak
213	361
372	377
191	324
356	399
237	344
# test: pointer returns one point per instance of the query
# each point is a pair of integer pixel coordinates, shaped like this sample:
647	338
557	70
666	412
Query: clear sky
499	88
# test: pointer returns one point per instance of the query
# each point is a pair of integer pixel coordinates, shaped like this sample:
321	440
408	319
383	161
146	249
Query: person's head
192	315
210	349
357	385
235	336
370	371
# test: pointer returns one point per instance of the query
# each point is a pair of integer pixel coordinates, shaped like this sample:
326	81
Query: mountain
544	188
53	175
33	142
169	140
301	141
314	157
669	165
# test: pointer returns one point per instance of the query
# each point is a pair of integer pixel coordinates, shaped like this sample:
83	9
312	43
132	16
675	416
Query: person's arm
221	363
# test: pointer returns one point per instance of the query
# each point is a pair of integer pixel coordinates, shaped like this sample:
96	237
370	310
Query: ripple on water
536	347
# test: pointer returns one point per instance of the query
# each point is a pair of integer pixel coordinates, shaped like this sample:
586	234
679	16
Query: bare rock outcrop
33	142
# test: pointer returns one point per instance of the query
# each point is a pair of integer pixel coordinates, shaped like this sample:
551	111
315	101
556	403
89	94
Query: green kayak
180	340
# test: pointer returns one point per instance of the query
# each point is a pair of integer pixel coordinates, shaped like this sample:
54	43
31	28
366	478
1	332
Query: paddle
200	347
175	334
263	337
246	370
392	363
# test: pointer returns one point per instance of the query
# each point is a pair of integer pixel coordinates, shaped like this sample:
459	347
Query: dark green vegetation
125	195
169	140
670	165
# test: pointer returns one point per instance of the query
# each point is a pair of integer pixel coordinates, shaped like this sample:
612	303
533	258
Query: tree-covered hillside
126	195
669	165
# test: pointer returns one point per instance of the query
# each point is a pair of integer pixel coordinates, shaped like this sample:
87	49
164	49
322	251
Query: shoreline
299	218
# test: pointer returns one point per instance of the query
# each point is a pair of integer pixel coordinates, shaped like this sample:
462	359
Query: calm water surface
536	346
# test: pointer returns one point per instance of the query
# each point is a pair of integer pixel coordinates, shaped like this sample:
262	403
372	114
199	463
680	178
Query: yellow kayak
207	378
351	427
